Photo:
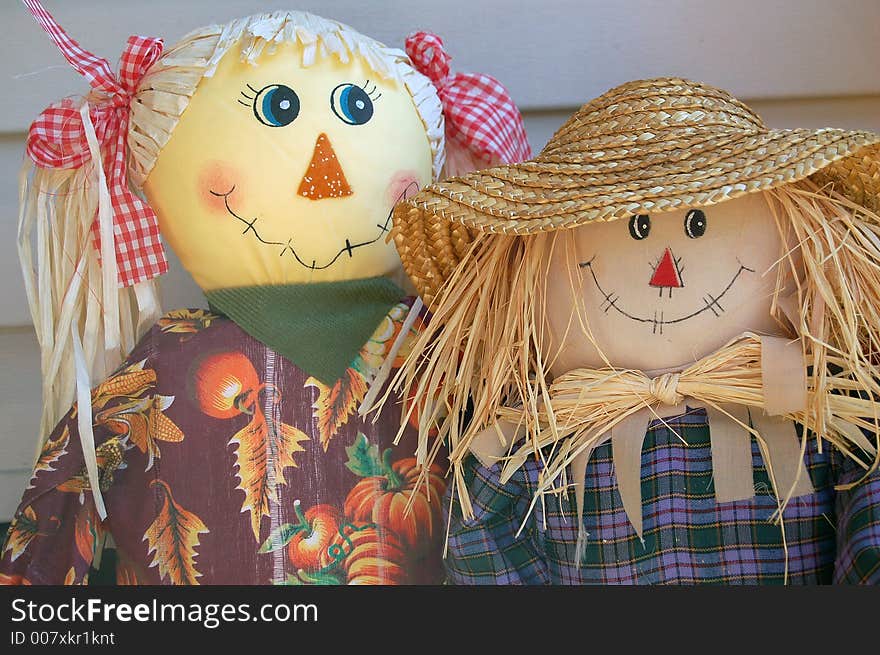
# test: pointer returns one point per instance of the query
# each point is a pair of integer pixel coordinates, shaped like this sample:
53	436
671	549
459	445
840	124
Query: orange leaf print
22	532
173	537
185	321
258	443
88	532
70	578
289	442
335	404
126	574
52	451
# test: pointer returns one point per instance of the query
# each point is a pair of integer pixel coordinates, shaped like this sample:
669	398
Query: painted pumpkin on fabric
224	384
384	499
308	548
373	556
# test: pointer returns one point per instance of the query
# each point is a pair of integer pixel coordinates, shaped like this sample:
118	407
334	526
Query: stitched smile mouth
286	247
711	302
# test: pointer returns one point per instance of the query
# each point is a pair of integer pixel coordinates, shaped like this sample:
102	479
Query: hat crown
663	112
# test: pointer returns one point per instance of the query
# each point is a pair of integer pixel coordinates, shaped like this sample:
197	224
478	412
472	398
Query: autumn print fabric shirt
221	462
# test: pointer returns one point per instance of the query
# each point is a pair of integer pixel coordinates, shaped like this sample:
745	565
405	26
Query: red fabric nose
666	274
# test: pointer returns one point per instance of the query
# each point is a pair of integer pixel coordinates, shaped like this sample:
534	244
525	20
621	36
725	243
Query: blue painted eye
351	104
276	105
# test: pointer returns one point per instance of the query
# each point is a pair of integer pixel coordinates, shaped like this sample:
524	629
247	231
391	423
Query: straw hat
644	147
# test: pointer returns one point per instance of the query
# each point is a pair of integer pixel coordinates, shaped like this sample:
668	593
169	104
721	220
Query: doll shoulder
181	334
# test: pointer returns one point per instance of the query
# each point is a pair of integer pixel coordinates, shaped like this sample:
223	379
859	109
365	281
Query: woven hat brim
539	196
433	229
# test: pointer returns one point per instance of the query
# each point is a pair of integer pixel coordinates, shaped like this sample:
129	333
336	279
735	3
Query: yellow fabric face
279	173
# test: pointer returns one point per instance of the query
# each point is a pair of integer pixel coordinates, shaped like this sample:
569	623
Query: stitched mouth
287	248
711	303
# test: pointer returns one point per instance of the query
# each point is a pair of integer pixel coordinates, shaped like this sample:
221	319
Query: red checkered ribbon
57	139
478	111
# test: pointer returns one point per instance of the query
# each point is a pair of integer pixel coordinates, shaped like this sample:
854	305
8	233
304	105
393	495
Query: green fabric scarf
320	327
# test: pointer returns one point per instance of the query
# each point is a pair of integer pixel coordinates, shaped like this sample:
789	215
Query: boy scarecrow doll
654	349
225	445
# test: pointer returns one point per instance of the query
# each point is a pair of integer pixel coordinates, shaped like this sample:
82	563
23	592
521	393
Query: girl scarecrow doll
225	446
654	349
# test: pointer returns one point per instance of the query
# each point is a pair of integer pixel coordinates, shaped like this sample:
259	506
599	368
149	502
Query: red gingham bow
478	111
57	139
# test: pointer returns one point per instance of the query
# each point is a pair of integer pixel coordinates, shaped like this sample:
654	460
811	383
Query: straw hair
644	147
165	90
487	344
67	289
65	285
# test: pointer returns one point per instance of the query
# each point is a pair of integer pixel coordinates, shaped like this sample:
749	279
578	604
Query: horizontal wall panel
13	302
554	53
11	487
19	414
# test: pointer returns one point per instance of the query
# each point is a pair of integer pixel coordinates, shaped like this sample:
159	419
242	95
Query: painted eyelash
250	99
370	93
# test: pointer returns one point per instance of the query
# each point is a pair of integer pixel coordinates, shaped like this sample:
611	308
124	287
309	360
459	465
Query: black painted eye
639	226
276	105
695	223
351	104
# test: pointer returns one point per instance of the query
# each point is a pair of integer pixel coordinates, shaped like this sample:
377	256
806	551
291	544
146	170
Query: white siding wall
804	63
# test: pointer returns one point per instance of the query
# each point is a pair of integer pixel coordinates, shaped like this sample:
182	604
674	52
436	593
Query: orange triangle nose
324	177
666	274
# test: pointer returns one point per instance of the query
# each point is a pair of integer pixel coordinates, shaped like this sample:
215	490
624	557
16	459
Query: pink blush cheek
403	185
217	177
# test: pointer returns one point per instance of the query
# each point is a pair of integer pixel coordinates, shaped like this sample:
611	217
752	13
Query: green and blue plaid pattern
689	538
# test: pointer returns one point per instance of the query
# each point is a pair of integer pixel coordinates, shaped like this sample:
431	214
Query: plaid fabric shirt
831	536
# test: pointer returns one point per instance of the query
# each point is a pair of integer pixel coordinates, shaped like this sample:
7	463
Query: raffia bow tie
754	386
665	389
